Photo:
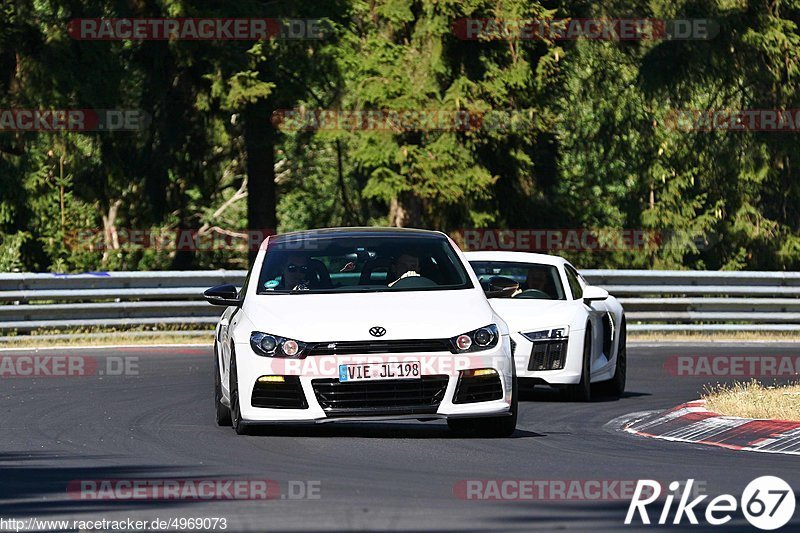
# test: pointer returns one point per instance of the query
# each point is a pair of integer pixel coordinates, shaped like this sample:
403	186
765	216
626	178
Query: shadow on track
543	393
39	483
371	430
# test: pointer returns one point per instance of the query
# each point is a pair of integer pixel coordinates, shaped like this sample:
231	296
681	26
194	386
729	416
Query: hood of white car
349	316
523	314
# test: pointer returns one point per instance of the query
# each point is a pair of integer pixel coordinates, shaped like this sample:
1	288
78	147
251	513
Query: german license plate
379	371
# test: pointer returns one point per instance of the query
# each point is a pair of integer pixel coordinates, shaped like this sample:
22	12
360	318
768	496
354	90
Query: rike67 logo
767	503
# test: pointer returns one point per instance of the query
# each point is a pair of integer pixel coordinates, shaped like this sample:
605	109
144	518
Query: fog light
463	342
271	379
480	372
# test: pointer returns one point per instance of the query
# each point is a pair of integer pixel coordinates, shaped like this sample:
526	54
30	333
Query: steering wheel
413	282
533	294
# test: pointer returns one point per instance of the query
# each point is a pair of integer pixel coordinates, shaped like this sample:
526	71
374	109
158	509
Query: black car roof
327	233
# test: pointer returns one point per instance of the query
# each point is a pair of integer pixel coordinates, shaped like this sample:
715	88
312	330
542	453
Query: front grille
396	396
548	355
369	347
478	389
286	395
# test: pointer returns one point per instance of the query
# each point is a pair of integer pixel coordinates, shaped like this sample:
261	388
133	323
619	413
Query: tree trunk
259	138
405	211
110	236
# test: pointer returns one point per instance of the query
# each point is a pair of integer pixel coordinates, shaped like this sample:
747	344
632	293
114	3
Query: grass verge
107	336
755	400
721	336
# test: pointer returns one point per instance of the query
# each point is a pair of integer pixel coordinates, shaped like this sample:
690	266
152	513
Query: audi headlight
547	334
476	340
270	345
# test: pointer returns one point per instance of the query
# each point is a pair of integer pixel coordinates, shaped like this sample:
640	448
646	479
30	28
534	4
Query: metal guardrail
654	300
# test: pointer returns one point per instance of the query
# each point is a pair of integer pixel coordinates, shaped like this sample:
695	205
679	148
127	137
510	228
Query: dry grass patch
109	336
717	336
754	400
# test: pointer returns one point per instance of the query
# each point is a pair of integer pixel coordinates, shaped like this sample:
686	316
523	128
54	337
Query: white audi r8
352	324
564	332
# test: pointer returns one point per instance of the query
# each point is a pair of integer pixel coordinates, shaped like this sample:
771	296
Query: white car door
598	315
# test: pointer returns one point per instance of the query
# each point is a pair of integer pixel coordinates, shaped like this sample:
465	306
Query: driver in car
403	266
537	280
296	273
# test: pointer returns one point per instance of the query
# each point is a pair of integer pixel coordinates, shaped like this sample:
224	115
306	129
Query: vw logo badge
377	331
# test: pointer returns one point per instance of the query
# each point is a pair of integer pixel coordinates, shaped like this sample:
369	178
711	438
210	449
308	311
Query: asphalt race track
157	423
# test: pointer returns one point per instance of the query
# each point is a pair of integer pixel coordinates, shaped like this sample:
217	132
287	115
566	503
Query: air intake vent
473	389
548	355
279	395
400	396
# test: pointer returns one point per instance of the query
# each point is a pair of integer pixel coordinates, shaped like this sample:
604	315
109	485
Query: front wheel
616	385
236	414
223	414
582	391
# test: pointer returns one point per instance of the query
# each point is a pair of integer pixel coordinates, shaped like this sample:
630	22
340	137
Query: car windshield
340	264
536	281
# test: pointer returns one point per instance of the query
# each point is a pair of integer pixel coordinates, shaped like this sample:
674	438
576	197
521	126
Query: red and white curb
692	422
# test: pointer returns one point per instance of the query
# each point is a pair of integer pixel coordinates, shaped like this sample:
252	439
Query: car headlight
270	345
547	334
476	340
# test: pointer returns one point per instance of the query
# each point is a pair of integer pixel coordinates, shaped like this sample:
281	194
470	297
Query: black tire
616	385
490	427
236	414
223	414
582	391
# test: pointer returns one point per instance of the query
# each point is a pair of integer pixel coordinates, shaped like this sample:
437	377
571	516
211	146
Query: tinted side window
574	284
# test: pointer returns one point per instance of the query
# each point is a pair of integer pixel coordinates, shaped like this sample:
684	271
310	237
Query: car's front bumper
447	366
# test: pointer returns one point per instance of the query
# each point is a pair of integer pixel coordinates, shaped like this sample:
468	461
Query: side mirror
223	295
500	287
594	294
